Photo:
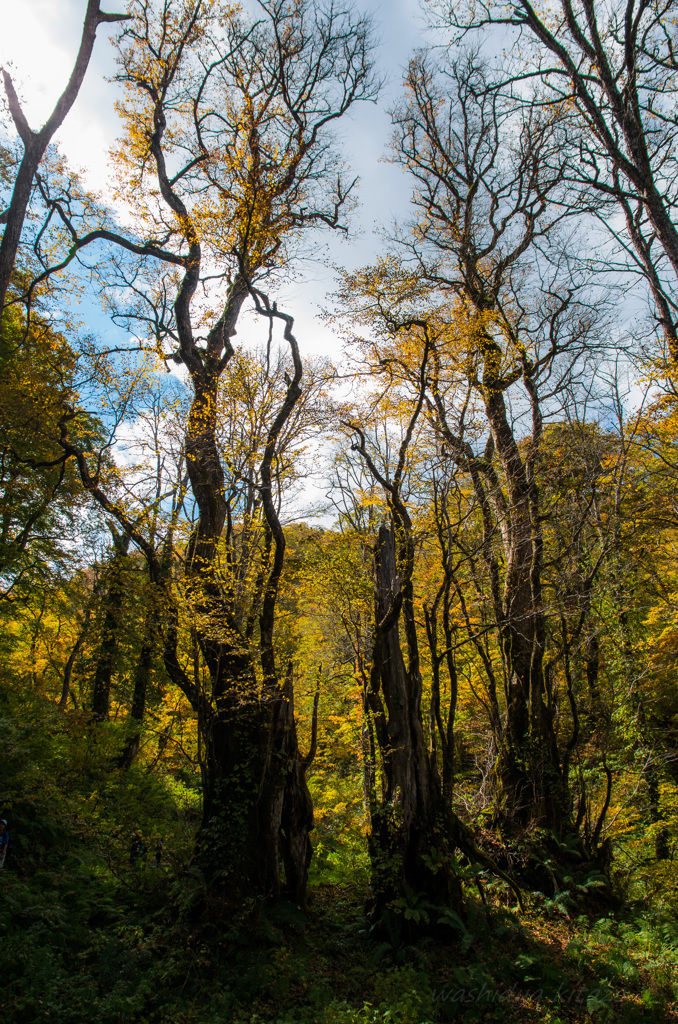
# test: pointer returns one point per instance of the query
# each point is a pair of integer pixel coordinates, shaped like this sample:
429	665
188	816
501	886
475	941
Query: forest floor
81	944
87	938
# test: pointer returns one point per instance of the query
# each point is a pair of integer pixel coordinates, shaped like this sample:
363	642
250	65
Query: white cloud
40	40
39	44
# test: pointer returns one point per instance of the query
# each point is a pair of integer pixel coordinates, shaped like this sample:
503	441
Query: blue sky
40	40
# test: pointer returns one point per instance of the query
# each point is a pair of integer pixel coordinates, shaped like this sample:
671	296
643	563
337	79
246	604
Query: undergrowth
86	937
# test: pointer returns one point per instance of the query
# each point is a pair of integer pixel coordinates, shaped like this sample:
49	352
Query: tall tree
492	320
227	160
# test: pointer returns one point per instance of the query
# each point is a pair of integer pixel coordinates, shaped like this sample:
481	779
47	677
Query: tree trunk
142	675
257	810
109	641
531	787
413	830
238	839
661	837
70	664
297	810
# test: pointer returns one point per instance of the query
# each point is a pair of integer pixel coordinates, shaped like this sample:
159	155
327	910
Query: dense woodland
344	690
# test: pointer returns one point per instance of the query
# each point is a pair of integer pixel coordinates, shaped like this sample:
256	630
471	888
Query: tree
414	831
481	317
41	500
226	161
610	74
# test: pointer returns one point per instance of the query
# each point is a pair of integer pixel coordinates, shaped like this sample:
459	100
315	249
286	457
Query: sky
39	42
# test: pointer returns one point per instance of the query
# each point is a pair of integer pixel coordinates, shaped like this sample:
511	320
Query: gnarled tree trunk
414	831
257	810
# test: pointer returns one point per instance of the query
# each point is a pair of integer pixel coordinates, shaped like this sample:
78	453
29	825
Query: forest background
329	666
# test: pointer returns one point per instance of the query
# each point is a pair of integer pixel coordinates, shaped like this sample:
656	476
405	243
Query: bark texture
414	832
